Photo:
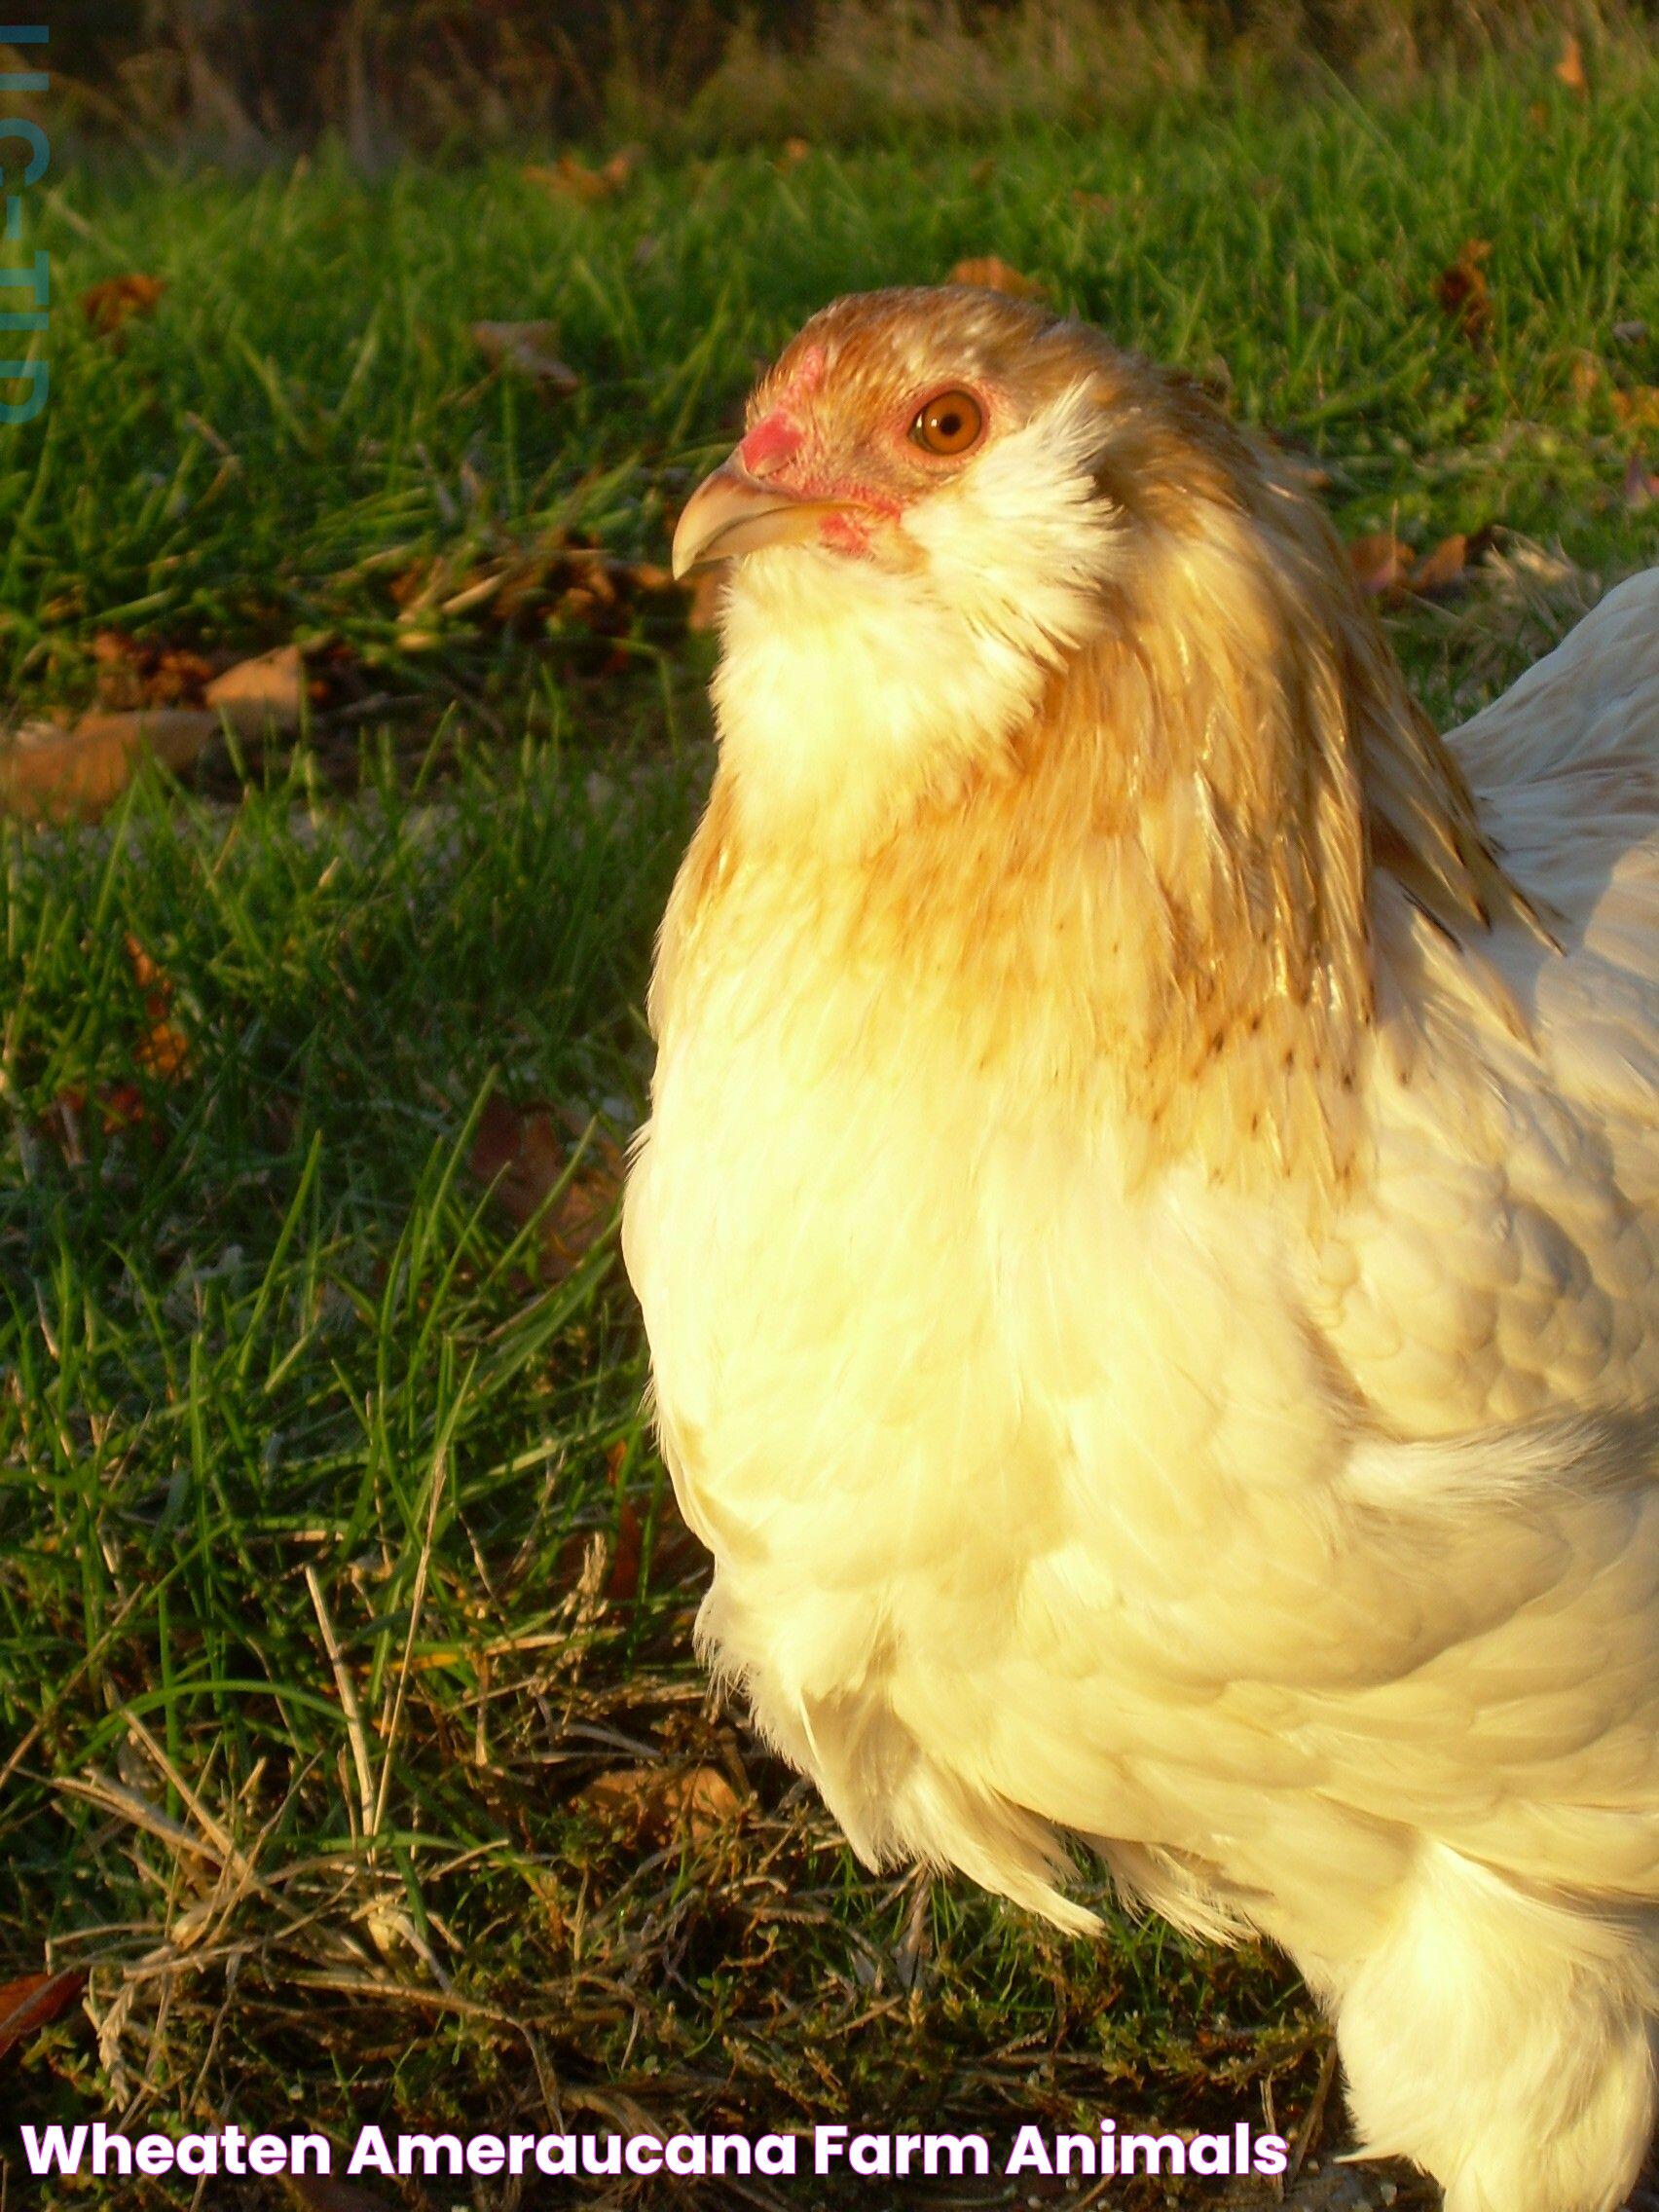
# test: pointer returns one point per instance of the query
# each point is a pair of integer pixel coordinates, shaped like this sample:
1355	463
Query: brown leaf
1379	563
134	673
1462	290
525	1153
649	577
553	579
989	272
33	2002
1641	484
151	978
568	178
622	1583
1095	204
521	1153
267	692
794	151
1442	566
1569	69
1631	333
107	305
983	171
527	347
1585	377
139	673
1637	410
164	1051
657	1800
628	1553
53	774
595	572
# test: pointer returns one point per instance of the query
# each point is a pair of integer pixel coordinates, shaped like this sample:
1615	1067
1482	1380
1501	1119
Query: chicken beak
733	512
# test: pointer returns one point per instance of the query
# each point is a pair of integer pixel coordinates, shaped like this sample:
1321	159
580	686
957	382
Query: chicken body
1148	1228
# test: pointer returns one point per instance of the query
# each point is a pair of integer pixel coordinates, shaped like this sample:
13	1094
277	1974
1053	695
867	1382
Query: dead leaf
525	1152
151	978
675	1550
627	1557
554	580
1637	409
628	1553
527	347
658	1800
649	577
522	1154
989	272
1585	377
1569	69
568	178
1379	563
51	774
983	171
1630	334
266	692
1442	566
48	772
794	151
33	2002
1095	204
114	302
134	671
1539	115
1641	484
1462	290
164	1052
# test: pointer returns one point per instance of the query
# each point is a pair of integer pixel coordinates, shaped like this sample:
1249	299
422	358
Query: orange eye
949	423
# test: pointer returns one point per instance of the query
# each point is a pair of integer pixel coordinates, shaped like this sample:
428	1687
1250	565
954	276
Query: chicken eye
949	423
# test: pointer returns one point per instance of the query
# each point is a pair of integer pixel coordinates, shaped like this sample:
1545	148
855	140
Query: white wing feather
1497	1304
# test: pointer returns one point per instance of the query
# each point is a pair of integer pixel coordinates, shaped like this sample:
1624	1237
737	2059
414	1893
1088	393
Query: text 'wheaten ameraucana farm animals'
1147	1229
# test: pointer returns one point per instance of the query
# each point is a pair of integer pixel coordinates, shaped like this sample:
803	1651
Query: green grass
318	329
268	1344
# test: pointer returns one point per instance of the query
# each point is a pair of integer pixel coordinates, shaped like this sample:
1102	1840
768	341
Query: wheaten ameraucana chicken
1147	1229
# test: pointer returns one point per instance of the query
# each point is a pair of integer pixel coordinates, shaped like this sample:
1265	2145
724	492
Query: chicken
1147	1228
